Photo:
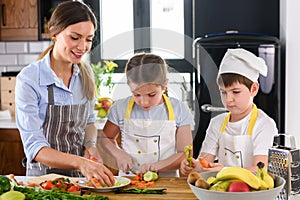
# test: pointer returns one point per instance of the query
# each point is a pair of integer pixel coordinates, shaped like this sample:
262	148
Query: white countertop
8	124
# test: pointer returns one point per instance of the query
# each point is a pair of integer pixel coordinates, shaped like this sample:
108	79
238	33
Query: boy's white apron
148	141
237	150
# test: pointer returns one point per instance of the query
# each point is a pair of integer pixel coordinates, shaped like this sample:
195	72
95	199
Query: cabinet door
19	20
12	153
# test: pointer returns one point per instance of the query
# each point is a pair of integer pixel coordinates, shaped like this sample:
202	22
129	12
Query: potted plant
103	78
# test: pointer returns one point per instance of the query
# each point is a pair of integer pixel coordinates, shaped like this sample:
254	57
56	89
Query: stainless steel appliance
284	161
208	53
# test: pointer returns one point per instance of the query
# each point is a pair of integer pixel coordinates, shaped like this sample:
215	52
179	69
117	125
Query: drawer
7	96
8	82
8	106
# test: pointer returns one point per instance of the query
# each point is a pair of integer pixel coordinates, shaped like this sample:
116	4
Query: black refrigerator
208	53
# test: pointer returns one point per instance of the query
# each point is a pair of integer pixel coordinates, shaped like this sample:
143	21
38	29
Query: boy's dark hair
228	79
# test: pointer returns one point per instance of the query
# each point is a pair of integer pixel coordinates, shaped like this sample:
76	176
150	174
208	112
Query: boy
242	136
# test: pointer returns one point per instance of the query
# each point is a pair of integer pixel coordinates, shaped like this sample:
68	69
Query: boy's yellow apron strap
167	101
253	118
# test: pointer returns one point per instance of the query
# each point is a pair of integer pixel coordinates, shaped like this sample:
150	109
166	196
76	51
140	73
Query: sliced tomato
48	185
73	188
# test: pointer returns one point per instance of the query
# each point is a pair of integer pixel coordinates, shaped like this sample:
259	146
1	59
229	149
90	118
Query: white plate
119	183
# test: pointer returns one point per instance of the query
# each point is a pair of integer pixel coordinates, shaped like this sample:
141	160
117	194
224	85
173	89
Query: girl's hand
149	167
124	162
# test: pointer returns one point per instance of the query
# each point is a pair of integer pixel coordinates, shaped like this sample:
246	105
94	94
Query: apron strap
171	114
50	95
253	118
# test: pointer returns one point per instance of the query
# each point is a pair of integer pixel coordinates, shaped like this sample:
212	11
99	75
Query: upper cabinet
19	20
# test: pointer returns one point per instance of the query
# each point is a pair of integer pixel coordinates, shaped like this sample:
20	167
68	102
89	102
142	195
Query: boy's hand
185	167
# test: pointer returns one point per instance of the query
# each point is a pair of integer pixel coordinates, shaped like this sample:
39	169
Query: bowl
204	194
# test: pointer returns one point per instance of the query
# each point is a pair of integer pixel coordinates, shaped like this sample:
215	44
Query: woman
55	100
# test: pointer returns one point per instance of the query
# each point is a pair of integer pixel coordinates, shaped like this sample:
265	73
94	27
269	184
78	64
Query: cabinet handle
3	15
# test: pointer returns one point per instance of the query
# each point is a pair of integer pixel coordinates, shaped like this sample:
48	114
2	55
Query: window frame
142	19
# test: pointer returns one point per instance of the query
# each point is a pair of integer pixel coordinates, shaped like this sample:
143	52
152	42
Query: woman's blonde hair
66	14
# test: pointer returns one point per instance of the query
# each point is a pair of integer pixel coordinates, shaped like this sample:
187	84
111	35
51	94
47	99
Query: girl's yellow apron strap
171	114
169	107
129	108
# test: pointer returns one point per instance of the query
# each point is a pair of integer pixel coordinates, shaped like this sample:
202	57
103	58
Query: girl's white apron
149	141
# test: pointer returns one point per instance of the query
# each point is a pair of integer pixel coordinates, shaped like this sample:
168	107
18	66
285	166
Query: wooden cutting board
39	179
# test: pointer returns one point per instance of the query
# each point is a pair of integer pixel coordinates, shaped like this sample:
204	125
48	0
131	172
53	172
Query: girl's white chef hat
243	62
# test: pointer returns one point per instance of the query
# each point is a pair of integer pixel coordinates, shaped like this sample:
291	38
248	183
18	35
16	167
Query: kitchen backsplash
16	55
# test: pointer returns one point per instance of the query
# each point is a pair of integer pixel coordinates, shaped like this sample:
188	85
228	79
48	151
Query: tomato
73	188
58	184
48	185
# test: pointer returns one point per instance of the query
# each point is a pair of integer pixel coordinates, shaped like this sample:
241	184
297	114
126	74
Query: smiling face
238	99
73	42
148	95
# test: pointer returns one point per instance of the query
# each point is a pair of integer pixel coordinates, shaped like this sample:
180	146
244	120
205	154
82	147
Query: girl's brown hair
228	79
146	68
64	15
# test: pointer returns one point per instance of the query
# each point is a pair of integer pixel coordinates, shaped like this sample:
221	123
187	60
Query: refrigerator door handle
210	108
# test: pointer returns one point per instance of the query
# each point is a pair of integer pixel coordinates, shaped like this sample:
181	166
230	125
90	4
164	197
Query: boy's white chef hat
243	62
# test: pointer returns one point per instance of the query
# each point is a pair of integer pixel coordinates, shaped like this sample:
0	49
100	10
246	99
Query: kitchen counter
177	189
11	124
8	124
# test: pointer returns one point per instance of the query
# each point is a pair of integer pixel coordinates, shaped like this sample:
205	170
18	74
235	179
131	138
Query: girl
154	128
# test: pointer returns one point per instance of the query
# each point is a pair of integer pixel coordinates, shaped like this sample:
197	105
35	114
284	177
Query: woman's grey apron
64	130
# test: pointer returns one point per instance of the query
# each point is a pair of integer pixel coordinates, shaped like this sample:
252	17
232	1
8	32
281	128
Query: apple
239	186
102	113
106	104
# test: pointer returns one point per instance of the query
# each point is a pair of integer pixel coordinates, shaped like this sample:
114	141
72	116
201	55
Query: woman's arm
90	143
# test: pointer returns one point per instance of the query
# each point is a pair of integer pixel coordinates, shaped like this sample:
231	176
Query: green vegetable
141	191
32	194
4	184
187	150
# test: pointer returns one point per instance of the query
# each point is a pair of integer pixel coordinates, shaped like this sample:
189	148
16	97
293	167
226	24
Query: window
158	26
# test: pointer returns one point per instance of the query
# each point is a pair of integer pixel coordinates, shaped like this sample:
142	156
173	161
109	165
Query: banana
221	186
210	180
103	99
263	185
262	174
239	173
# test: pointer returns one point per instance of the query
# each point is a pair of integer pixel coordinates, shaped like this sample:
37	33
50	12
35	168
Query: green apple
102	112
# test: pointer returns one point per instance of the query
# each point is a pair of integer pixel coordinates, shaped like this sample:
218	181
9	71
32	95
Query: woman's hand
91	169
93	152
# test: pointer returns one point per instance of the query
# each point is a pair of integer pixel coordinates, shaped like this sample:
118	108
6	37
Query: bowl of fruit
235	183
102	106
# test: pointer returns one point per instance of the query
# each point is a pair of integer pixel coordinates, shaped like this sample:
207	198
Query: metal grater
284	161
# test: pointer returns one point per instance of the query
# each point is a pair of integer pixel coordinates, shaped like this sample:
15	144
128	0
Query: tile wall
15	55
